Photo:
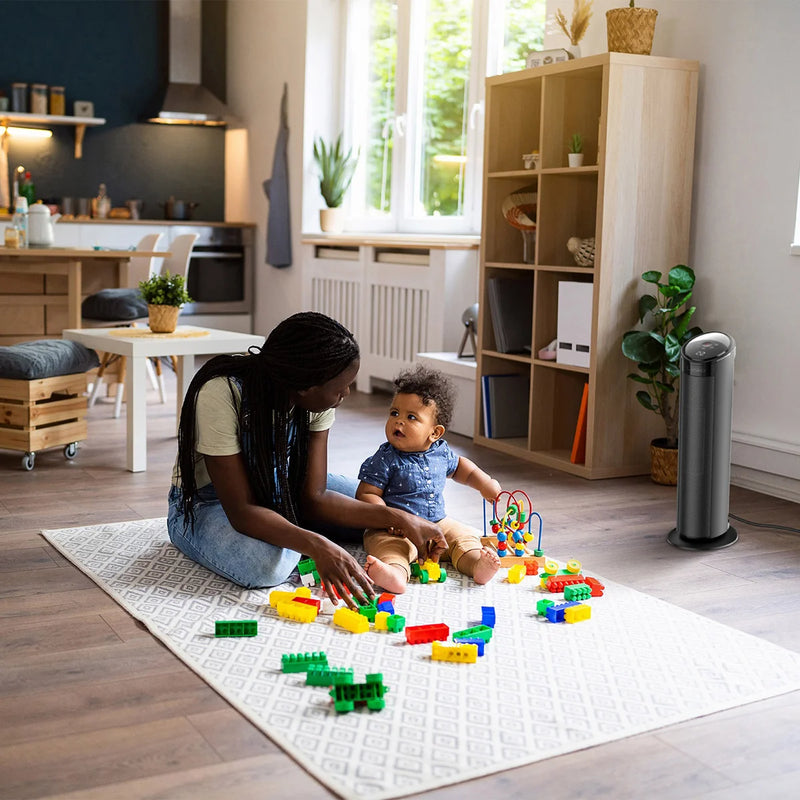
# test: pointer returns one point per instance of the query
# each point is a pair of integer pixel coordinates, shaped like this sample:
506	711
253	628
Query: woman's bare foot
391	577
484	564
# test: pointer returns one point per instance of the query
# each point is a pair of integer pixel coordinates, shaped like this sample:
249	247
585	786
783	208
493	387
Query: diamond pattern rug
540	690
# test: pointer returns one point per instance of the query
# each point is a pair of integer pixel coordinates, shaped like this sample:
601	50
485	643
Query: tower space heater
704	444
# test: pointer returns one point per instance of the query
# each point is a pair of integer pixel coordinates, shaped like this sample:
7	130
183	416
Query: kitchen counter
151	222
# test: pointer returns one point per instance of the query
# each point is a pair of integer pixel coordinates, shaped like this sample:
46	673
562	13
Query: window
414	103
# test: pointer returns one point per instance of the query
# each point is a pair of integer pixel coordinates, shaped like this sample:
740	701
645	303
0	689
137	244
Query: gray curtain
279	228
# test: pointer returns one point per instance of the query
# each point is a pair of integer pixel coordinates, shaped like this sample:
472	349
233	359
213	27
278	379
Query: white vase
575	159
574	50
331	220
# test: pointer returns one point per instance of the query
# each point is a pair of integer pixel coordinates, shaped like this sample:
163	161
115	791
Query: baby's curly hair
433	387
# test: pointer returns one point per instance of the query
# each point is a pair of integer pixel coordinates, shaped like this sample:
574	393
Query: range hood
187	101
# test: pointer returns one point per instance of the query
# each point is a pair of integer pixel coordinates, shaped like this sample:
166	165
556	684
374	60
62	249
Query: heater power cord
764	524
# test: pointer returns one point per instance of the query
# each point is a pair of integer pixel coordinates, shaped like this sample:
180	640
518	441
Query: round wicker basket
163	319
630	30
663	463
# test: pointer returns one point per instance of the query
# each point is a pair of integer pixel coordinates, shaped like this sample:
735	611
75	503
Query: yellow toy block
577	613
299	612
380	621
350	620
516	573
433	569
466	653
279	596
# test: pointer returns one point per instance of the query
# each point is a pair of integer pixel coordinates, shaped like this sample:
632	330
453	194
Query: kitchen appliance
220	277
178	209
704	444
40	225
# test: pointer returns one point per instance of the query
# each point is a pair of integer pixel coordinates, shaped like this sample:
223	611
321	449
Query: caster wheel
71	450
28	461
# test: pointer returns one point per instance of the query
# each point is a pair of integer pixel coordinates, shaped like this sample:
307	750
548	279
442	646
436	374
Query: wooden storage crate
42	413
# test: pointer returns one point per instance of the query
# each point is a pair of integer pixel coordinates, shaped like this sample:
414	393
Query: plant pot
630	30
162	319
663	463
575	159
331	220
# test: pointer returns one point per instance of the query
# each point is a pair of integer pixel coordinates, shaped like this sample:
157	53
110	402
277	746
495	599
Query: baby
409	472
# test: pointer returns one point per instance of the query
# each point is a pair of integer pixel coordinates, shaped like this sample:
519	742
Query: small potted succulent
657	350
165	295
336	168
575	152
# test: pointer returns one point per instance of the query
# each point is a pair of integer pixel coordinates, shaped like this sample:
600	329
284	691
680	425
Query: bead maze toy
511	537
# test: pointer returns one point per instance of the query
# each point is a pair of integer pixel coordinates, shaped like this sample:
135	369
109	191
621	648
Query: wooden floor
92	706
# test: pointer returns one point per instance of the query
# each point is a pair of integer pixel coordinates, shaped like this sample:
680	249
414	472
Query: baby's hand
491	490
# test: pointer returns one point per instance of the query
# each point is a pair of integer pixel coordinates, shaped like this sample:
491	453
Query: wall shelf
80	124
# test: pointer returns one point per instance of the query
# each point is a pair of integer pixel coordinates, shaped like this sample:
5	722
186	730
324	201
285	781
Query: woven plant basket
162	319
663	463
630	30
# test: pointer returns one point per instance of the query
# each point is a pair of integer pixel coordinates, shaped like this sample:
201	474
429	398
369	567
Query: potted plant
656	351
575	29
164	295
575	152
631	29
336	168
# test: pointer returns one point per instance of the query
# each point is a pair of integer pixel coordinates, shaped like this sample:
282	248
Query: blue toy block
480	642
555	613
488	617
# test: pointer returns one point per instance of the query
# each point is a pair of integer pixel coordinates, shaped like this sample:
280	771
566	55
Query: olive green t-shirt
217	426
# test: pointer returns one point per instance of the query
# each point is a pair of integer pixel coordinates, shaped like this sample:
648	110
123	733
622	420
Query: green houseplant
656	349
575	150
336	168
164	295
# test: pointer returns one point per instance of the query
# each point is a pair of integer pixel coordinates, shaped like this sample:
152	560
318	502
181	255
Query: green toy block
346	694
300	662
395	623
317	675
368	611
235	627
542	606
306	565
478	632
416	570
578	591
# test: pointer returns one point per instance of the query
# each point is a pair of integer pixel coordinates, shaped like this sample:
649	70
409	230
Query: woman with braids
250	490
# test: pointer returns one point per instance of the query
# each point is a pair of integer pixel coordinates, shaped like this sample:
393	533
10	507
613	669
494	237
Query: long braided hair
307	349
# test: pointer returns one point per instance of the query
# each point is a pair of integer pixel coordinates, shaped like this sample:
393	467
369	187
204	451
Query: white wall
746	176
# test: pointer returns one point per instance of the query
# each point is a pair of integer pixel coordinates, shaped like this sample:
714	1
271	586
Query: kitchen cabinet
24	120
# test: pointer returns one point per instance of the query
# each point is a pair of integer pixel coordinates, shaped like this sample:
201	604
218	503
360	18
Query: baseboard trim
766	465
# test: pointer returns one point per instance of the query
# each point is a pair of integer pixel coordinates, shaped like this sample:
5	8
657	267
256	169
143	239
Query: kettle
40	225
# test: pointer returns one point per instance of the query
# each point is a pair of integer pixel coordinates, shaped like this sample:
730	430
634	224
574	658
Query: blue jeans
252	563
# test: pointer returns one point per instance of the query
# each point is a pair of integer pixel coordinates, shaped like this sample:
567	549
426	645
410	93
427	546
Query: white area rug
540	690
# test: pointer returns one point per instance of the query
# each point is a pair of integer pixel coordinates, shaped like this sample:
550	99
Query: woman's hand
338	570
425	535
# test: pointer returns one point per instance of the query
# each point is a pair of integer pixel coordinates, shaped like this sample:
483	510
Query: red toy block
597	587
385	597
556	583
421	634
309	601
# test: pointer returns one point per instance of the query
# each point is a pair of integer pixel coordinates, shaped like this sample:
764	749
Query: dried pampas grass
576	29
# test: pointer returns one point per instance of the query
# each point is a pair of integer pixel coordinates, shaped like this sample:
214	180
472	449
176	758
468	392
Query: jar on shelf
57	104
19	97
39	98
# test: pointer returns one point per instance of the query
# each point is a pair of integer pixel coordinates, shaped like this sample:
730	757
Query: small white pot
331	220
575	159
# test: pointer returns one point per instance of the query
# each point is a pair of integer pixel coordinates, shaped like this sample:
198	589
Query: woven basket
630	30
163	319
663	463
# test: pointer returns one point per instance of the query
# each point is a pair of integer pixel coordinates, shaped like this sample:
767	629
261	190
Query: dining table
69	261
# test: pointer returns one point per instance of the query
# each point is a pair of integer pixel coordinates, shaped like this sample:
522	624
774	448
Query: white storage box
574	329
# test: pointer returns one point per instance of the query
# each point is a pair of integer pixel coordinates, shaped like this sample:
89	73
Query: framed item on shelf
83	108
541	57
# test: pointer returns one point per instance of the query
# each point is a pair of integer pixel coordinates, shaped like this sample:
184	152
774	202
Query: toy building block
368	611
432	568
385	597
478	632
556	583
543	605
573	566
395	623
308	580
318	675
488	616
580	591
550	567
479	643
309	601
596	586
381	621
280	596
350	620
308	571
516	573
555	613
346	694
235	627
577	613
387	606
301	662
328	606
461	652
531	566
422	634
298	612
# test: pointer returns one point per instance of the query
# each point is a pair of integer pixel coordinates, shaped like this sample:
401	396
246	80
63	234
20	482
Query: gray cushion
45	358
114	304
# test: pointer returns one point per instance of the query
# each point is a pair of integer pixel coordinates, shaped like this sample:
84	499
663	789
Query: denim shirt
413	482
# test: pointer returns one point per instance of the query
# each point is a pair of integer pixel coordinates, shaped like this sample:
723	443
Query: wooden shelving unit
637	118
80	124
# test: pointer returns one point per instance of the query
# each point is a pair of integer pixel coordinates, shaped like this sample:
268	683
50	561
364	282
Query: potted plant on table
165	295
656	351
575	152
336	168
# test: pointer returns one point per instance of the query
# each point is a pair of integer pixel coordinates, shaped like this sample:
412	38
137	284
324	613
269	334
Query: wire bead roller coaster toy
511	536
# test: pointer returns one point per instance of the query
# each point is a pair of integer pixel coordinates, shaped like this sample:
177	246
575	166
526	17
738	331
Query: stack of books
506	399
511	307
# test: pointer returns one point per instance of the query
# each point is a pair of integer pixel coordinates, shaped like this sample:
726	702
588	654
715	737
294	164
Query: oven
220	277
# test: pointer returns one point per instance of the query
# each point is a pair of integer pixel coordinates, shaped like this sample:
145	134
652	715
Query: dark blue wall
113	53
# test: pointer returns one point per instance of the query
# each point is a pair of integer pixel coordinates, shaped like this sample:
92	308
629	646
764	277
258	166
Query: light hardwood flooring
93	707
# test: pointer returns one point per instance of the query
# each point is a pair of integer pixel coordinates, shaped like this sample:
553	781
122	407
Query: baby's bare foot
391	577
486	566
